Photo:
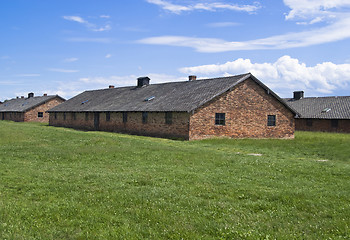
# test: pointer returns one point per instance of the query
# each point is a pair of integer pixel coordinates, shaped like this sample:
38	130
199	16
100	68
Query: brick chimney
110	86
192	78
297	95
30	95
22	96
143	81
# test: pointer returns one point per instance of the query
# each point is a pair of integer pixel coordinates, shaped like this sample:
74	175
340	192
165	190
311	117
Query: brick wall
12	116
246	108
32	115
155	125
322	125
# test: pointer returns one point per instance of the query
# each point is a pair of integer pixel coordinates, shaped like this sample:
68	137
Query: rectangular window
219	118
40	114
168	117
55	115
86	116
309	122
74	116
334	123
144	117
64	116
271	120
125	117
108	116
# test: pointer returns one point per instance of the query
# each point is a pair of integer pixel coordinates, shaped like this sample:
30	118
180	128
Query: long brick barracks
236	107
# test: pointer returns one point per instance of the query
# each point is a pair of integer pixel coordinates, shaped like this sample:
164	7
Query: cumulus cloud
90	26
285	75
211	6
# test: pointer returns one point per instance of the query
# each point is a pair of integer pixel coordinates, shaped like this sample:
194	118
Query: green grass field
58	183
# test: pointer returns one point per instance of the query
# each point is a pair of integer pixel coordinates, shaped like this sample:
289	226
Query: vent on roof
297	95
149	99
143	81
192	78
84	102
30	95
110	86
326	110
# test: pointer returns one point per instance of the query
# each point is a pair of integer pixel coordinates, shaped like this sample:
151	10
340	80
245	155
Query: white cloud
105	16
71	59
285	75
28	75
309	9
62	70
335	14
108	56
90	26
213	6
222	24
91	40
334	32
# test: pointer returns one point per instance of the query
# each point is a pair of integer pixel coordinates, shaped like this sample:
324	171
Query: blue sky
66	47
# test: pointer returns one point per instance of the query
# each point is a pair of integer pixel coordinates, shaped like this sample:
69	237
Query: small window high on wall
40	114
220	119
271	120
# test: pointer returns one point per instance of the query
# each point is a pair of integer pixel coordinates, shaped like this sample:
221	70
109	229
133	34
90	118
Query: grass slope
58	183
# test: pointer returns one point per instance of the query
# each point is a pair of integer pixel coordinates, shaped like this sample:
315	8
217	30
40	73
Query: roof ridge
185	81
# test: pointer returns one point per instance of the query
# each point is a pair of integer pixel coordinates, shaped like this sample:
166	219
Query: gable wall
323	125
246	108
32	115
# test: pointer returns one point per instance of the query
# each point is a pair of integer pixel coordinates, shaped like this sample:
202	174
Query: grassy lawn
58	183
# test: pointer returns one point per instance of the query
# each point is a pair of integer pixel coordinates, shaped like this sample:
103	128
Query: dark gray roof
175	96
322	107
24	104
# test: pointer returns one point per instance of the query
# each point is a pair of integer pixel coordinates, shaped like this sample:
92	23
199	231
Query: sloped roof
183	96
24	104
322	107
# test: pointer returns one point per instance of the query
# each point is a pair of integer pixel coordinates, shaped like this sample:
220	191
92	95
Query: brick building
324	114
29	109
237	107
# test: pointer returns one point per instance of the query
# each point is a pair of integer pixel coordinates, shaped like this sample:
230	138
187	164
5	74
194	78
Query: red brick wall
155	125
246	108
323	125
32	115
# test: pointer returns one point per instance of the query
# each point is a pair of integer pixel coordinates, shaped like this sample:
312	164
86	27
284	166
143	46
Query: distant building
32	108
236	107
326	114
